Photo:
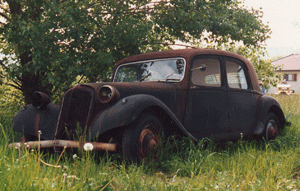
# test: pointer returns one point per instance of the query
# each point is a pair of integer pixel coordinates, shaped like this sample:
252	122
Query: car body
192	92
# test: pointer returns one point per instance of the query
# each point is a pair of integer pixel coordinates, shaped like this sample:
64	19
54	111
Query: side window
236	75
206	72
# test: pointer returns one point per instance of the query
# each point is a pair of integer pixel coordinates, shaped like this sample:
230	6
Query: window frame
246	72
294	77
222	72
153	60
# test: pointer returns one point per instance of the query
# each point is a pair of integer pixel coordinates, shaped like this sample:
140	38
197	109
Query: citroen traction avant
193	92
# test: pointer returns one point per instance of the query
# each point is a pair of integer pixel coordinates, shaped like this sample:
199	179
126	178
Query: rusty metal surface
148	141
112	147
30	120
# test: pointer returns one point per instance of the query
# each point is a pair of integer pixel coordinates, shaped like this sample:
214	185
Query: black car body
194	92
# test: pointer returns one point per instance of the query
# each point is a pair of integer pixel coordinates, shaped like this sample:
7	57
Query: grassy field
241	165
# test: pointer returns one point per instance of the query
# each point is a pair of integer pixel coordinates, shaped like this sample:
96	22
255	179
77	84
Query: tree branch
17	87
168	44
14	81
5	10
3	65
80	80
3	15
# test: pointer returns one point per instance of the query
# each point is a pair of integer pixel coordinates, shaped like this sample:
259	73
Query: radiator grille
75	113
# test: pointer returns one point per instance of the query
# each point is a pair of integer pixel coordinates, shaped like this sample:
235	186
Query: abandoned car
193	92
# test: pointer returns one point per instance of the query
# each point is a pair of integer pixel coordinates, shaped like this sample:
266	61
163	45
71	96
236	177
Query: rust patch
37	123
148	143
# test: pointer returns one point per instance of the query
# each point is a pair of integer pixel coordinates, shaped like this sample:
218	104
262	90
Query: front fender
126	110
30	120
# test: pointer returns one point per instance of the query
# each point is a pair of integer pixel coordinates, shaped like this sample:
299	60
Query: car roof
189	54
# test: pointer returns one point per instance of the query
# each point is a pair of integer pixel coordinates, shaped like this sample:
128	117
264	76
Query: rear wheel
141	141
272	126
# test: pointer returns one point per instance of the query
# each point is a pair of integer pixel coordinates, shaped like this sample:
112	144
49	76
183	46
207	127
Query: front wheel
141	141
272	126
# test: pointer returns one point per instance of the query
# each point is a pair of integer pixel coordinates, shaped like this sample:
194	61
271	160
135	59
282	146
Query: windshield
154	70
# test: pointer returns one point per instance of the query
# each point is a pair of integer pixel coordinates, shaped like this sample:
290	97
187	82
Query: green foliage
49	43
10	103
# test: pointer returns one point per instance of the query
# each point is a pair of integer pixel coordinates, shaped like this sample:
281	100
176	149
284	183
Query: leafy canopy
48	44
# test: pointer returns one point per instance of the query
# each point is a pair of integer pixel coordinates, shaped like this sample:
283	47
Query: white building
290	70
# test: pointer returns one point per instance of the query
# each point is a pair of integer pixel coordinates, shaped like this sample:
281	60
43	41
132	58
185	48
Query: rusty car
199	93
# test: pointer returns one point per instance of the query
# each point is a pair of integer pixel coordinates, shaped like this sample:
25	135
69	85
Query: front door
206	109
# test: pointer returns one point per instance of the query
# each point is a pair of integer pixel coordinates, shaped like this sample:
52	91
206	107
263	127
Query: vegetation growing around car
244	165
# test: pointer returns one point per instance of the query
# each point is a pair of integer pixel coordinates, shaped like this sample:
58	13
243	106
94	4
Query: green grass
241	165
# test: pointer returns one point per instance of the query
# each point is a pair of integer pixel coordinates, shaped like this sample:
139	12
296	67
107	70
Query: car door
241	101
206	108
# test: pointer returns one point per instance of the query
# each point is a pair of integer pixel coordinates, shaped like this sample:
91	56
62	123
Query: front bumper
112	147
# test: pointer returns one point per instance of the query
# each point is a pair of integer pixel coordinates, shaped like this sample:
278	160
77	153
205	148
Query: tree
48	44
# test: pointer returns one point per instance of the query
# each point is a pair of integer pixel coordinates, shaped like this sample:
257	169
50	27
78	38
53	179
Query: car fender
30	120
126	110
265	105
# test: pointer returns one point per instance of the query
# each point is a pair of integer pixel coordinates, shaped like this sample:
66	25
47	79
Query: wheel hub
271	130
148	143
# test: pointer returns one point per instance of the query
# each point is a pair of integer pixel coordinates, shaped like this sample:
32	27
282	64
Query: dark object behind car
193	92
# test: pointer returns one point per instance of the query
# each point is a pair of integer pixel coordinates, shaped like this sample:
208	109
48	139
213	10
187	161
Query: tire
272	127
141	141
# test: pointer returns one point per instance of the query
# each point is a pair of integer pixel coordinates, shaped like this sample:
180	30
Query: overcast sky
284	20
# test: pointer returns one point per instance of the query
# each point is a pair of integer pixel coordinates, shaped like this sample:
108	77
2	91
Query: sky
284	20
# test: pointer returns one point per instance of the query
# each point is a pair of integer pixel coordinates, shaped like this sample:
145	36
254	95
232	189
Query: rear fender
30	120
126	110
267	104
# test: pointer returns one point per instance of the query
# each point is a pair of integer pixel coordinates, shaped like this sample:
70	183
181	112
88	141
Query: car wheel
141	141
272	127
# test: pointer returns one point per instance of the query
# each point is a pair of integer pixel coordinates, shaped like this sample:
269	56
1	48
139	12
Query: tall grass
241	165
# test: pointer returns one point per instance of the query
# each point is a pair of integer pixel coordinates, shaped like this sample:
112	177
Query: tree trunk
30	81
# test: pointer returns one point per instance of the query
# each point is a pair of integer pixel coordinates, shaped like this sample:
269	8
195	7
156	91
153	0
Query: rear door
241	101
206	109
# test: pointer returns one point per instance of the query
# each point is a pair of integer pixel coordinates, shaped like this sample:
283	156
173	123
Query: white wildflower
88	146
74	156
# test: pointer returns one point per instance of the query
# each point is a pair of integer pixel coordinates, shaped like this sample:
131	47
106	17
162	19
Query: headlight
40	100
108	93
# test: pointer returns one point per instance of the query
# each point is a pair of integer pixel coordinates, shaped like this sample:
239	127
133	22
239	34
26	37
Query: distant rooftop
291	62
